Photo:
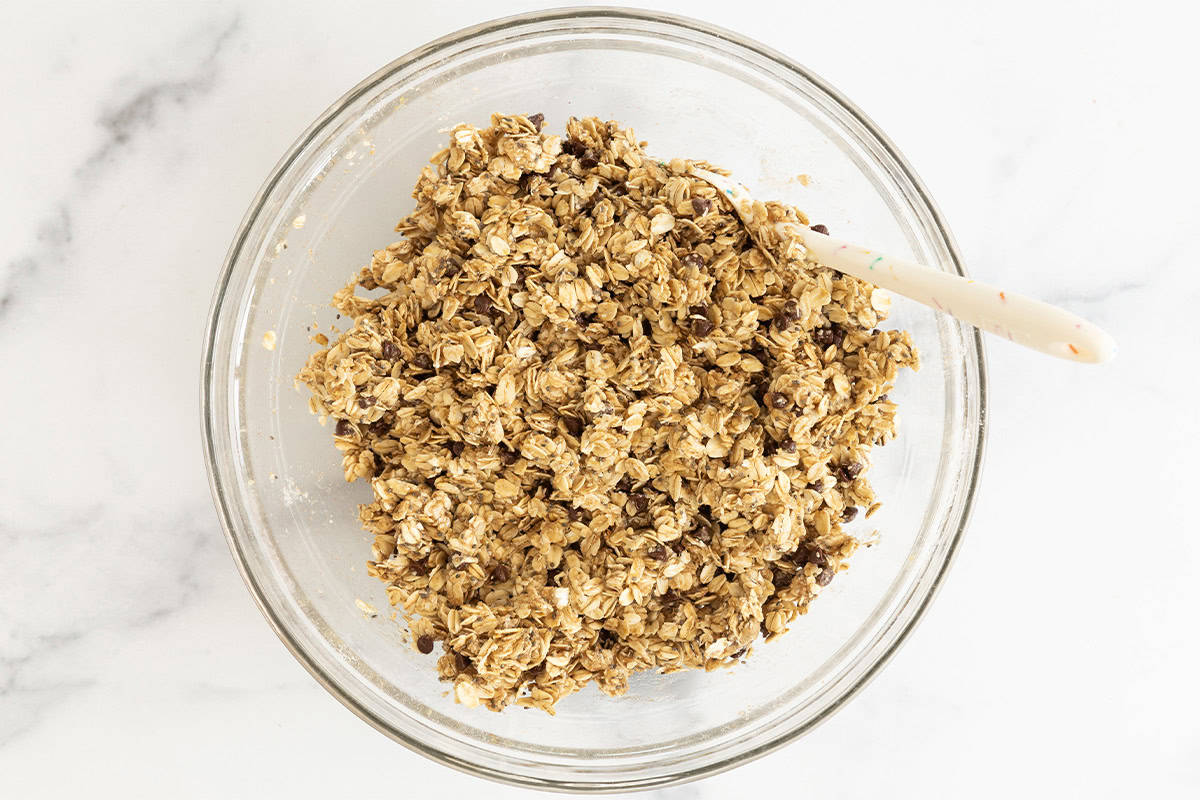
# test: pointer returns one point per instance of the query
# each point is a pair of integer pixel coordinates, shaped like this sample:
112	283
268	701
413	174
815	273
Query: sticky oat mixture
604	430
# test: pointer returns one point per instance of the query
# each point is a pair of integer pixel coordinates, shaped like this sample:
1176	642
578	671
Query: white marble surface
1061	657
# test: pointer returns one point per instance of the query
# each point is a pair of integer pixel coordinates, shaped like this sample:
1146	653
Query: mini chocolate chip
380	427
537	120
573	147
706	531
702	327
640	502
694	260
818	557
589	159
788	446
449	268
848	472
825	577
839	335
483	304
776	399
365	401
343	428
623	485
501	573
850	513
574	425
507	457
658	553
791	310
461	662
701	205
819	229
456	448
678	546
390	351
816	486
425	644
698	311
422	361
823	337
782	322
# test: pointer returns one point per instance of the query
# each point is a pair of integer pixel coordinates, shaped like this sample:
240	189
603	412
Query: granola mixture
605	431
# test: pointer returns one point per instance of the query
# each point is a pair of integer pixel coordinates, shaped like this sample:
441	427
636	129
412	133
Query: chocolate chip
461	662
706	531
589	159
425	644
658	553
390	351
482	304
678	546
791	310
573	147
819	229
574	425
818	557
380	427
788	446
623	485
640	502
694	260
701	205
449	268
816	486
828	335
343	428
848	472
573	514
456	448
702	327
500	573
825	577
507	457
422	361
777	400
850	513
365	401
537	120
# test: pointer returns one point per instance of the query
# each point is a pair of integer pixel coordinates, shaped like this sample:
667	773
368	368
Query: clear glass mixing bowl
690	89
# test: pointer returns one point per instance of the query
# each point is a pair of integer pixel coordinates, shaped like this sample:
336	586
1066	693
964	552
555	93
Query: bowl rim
208	400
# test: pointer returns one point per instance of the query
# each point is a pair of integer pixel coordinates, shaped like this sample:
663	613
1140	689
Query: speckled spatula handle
1023	320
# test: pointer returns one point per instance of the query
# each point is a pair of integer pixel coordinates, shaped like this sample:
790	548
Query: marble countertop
1061	656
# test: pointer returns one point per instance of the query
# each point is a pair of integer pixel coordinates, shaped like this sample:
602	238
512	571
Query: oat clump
604	430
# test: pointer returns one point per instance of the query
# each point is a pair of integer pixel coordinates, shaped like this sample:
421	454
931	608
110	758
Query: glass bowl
691	90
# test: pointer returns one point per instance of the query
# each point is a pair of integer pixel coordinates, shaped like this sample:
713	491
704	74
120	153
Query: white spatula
1023	320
